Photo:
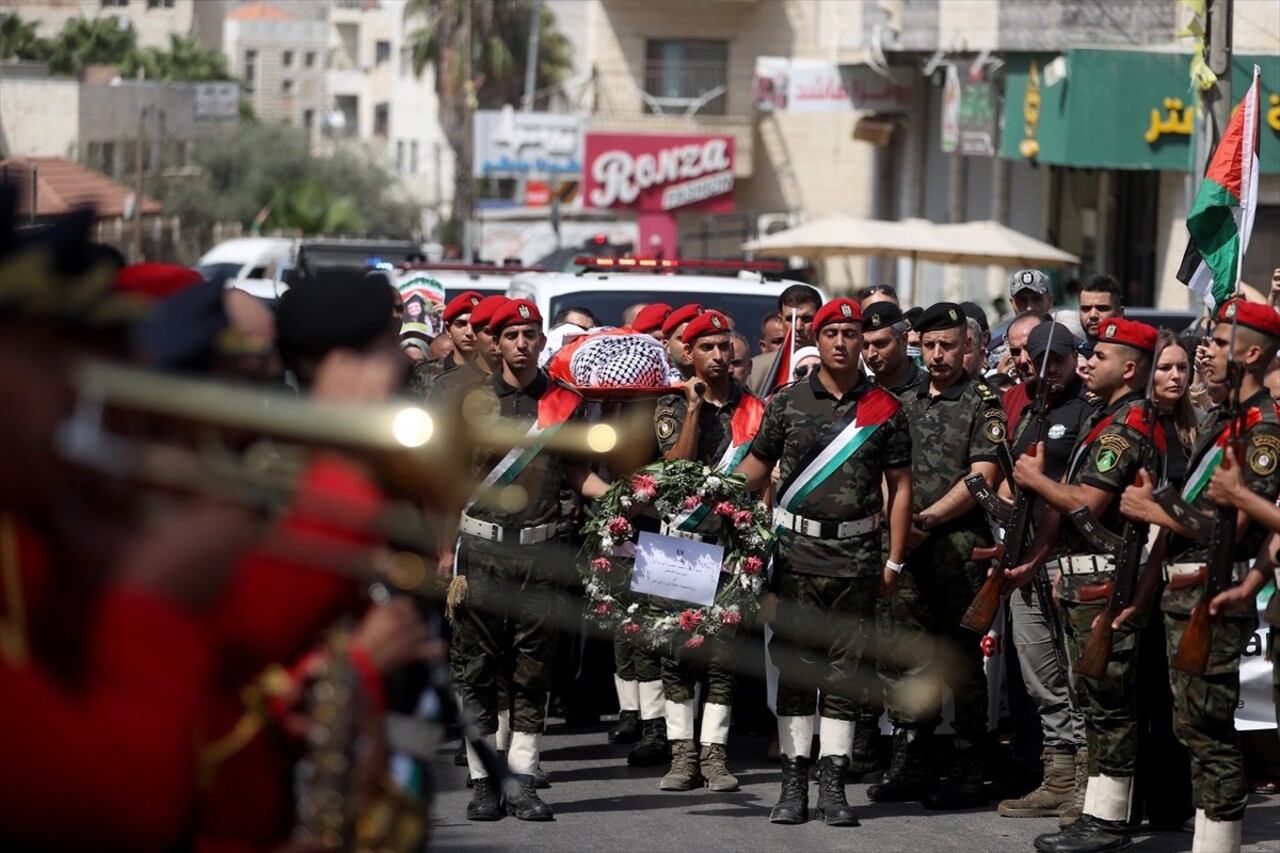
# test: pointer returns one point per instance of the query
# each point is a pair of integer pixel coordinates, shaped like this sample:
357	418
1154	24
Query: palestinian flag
1221	219
779	372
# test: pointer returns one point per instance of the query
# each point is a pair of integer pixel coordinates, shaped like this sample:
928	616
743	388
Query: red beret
708	323
679	317
1255	315
482	312
516	312
651	317
1131	333
155	281
837	311
463	303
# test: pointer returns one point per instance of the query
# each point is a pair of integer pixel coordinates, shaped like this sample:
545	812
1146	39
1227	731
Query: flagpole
791	356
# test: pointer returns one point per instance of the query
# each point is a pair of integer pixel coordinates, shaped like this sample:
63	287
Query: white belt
1172	570
825	529
497	533
1087	564
668	530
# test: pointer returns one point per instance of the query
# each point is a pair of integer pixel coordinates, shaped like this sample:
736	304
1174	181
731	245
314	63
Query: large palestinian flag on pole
1221	219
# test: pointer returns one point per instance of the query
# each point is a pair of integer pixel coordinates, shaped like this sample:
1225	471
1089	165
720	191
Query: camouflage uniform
908	383
681	666
950	431
425	373
1107	460
512	587
1204	705
827	587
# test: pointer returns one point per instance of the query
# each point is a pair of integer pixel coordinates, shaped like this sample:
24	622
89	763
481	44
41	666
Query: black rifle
981	612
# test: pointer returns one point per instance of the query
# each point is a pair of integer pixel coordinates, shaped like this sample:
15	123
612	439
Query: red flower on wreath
631	629
743	517
730	617
695	641
601	565
752	565
644	487
620	527
604	608
690	620
724	508
693	502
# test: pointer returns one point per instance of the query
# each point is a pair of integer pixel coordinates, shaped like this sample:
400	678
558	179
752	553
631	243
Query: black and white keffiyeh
608	361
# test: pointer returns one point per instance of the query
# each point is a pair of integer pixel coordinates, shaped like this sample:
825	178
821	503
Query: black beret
880	315
973	312
912	315
337	309
940	316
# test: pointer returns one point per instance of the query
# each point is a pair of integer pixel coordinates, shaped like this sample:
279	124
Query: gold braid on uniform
456	597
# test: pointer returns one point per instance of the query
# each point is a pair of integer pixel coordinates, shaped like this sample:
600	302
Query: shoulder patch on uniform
988	393
1111	448
1112	441
1107	459
994	430
666	426
1264	453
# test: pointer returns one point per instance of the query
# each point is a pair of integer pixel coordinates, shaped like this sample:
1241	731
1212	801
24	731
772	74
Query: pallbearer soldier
508	552
1204	703
834	437
1034	618
487	359
957	427
457	322
672	329
714	423
884	349
1124	437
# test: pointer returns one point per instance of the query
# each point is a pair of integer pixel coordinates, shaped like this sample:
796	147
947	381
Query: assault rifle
1017	531
1215	576
1126	552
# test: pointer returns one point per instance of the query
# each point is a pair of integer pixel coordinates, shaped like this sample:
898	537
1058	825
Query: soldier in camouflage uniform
448	387
834	437
957	425
1204	705
712	422
505	547
456	318
1123	439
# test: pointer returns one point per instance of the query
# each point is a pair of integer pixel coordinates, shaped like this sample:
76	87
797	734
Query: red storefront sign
659	173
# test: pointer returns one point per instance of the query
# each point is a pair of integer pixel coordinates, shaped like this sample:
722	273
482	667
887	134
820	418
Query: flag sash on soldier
868	419
743	427
553	410
1199	478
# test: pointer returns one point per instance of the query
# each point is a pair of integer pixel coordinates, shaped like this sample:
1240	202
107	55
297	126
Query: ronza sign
656	173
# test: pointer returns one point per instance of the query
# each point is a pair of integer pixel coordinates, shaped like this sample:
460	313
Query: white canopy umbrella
840	236
989	242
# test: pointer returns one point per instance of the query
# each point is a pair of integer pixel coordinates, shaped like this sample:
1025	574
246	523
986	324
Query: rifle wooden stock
981	612
1180	582
992	553
1096	591
1192	655
1092	662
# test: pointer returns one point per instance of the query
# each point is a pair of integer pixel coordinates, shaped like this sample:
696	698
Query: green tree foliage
243	170
100	41
499	39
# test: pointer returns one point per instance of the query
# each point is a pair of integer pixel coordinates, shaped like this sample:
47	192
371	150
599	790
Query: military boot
907	778
833	807
684	774
962	787
627	729
867	759
485	803
526	804
1072	811
1088	835
1054	794
712	764
793	804
653	750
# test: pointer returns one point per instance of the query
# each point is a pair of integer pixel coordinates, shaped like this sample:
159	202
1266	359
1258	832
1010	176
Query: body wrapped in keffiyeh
614	363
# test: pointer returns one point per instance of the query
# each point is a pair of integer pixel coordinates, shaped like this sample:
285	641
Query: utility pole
1218	99
530	81
139	164
463	206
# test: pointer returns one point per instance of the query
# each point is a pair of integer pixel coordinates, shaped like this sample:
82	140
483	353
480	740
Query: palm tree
495	34
313	208
185	60
83	42
19	39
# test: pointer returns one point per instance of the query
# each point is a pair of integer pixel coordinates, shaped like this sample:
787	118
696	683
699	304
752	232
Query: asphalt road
601	804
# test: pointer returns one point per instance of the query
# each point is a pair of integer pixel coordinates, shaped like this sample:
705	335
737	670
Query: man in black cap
975	363
1069	409
884	349
957	427
331	313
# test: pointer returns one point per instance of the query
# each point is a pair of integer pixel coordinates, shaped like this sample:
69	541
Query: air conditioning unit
772	223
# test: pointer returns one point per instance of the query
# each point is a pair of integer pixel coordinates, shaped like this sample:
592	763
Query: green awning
1121	109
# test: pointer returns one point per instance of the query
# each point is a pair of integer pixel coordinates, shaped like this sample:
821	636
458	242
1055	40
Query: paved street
601	804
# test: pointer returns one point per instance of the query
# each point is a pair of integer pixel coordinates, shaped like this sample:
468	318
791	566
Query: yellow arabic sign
1178	119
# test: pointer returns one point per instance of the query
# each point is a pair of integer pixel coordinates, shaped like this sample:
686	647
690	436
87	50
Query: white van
607	286
251	264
